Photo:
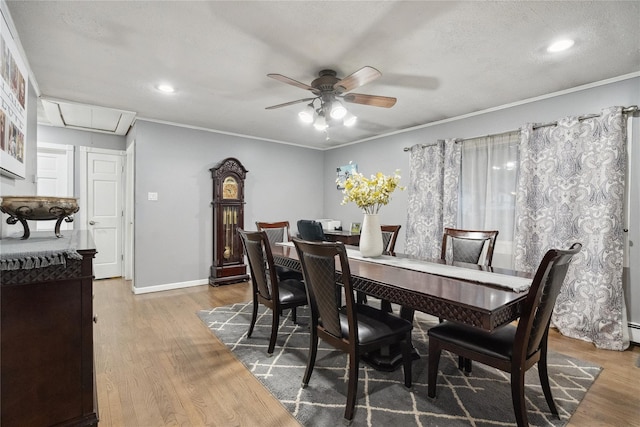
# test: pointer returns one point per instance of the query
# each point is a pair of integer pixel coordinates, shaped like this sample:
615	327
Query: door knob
92	223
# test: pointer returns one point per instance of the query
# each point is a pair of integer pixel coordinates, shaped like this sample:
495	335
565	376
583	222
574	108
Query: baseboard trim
634	332
169	286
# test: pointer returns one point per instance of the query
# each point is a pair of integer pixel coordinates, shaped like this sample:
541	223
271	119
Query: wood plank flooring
158	365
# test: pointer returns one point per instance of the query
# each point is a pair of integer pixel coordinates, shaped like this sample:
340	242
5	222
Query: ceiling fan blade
373	100
361	77
289	103
290	81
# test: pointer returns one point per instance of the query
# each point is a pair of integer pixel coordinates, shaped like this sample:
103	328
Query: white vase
371	236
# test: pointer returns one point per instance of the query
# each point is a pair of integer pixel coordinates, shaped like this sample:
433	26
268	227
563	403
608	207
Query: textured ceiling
439	59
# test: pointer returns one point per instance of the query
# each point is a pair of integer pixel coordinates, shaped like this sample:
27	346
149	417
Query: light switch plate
152	196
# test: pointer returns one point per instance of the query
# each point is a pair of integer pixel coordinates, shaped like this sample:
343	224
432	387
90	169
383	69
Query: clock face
229	188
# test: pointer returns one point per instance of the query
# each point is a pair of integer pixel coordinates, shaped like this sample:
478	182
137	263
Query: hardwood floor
158	365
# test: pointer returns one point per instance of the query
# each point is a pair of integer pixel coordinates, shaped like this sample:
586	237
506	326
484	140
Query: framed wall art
345	172
13	106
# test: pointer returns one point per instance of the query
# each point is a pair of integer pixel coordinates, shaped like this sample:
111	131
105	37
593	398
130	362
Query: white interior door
104	210
54	177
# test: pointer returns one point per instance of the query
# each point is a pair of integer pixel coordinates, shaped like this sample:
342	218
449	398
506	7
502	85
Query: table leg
390	358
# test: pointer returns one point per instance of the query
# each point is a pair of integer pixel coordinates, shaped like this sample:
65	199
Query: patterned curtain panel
433	196
571	189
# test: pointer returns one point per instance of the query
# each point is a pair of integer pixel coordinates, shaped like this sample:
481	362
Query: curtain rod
630	111
625	110
426	145
459	140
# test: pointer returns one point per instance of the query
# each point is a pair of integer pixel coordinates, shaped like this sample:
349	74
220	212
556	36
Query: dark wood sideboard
47	363
346	237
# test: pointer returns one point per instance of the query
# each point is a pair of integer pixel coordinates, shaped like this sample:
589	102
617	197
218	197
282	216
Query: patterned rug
482	399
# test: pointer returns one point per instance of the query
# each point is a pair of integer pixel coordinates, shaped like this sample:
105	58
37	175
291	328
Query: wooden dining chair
469	245
353	328
268	290
512	349
311	230
279	232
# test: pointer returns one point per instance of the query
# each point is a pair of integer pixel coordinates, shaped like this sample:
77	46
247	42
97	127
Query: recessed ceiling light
560	45
166	88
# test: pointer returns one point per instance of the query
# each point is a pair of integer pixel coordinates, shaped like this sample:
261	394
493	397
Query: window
488	182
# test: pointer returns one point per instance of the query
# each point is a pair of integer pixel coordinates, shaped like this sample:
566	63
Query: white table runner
40	250
514	283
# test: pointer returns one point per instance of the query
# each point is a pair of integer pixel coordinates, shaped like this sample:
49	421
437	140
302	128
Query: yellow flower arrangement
370	194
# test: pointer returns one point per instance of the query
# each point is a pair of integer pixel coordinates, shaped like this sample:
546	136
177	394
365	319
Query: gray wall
173	235
80	138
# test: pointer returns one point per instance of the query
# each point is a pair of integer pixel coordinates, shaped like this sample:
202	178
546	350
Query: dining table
477	297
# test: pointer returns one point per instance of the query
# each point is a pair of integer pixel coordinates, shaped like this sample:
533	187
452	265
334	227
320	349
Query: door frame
83	193
129	211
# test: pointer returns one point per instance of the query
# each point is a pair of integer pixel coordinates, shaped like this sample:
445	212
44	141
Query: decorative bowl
38	208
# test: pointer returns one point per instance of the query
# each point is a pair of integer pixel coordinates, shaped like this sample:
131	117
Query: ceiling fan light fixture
331	92
337	110
349	119
321	122
307	115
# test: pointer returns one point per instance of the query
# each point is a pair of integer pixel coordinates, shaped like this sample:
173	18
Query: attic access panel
88	117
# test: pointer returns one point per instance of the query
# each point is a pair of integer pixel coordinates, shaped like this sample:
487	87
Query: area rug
482	399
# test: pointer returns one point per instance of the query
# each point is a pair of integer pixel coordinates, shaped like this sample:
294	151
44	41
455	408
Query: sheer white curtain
488	182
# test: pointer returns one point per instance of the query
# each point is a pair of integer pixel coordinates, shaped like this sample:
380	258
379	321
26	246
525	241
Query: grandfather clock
228	215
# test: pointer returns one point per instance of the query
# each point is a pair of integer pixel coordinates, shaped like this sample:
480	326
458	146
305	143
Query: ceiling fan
330	91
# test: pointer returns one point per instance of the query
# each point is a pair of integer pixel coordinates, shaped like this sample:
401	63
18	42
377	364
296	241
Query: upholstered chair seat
497	344
373	325
291	292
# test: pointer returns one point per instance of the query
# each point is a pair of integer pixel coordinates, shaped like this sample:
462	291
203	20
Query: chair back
277	232
538	307
468	245
389	237
258	252
318	260
311	230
